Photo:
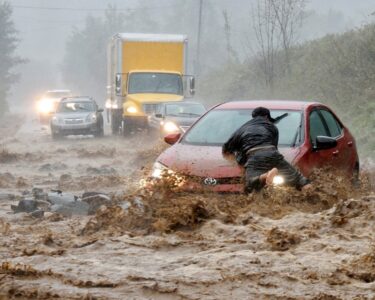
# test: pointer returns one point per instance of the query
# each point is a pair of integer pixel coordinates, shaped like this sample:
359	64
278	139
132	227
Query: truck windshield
160	83
217	126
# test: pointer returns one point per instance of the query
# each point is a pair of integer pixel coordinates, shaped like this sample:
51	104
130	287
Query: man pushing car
254	146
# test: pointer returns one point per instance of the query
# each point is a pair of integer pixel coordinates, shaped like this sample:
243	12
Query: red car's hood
206	161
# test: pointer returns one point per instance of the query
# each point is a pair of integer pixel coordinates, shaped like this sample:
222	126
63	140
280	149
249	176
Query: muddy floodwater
280	244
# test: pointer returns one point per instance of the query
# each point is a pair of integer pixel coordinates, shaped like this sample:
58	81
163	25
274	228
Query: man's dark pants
265	160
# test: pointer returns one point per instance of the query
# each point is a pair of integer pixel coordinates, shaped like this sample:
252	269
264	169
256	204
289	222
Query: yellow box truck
143	71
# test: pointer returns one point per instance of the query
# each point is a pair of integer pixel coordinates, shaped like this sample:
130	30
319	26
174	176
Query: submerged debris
25	205
95	200
61	203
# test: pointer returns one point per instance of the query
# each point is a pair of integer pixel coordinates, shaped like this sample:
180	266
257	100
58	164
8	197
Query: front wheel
100	132
116	118
356	181
56	135
127	127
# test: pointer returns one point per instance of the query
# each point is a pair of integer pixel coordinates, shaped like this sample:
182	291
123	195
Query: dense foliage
8	59
338	70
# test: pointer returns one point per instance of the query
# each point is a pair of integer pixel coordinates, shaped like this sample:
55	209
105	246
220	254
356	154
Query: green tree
8	58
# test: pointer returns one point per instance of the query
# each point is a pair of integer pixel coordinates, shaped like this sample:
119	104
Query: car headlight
278	180
108	104
91	118
170	127
132	110
158	170
45	106
56	120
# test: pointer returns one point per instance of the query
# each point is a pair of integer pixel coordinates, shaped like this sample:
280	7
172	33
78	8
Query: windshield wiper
83	108
190	114
279	118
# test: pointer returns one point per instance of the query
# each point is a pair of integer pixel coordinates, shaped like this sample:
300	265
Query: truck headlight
170	127
132	110
158	170
278	180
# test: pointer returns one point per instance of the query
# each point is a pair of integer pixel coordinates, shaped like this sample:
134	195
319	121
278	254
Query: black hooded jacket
257	132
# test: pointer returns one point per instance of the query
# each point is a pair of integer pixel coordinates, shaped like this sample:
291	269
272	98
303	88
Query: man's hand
228	156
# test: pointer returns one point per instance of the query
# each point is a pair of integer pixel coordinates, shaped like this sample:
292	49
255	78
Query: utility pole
198	66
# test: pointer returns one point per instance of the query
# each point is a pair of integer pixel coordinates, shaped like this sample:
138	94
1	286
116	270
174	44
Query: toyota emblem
210	181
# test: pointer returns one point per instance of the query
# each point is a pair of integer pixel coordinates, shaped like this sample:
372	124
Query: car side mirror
192	85
159	116
100	110
324	142
172	138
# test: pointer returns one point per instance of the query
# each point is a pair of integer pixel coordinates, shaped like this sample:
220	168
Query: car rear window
216	127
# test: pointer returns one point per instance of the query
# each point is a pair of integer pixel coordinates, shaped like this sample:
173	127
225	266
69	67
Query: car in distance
48	103
77	115
310	136
175	117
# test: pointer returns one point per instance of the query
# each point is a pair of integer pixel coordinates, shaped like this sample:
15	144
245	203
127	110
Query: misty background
45	27
330	57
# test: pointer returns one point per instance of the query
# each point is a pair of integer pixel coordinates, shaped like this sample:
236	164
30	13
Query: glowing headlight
91	118
159	169
56	120
131	110
278	180
115	106
45	106
170	127
108	104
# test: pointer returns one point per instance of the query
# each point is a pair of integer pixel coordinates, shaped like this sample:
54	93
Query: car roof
81	99
270	104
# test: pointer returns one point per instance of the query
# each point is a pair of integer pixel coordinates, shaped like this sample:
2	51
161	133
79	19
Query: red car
310	136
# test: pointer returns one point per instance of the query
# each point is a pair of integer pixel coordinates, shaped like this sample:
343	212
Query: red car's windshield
216	127
184	109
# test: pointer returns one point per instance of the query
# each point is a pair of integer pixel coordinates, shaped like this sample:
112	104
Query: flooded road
278	245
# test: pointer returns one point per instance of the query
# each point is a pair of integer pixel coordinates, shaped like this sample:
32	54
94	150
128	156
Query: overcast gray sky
44	27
